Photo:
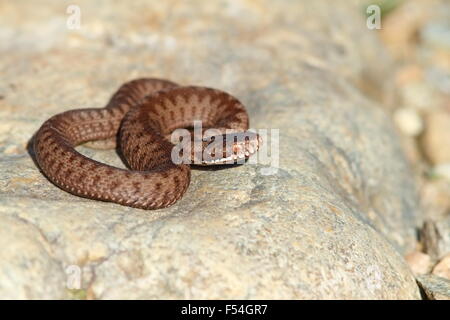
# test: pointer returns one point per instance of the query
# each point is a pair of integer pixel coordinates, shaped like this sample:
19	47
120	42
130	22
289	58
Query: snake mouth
234	148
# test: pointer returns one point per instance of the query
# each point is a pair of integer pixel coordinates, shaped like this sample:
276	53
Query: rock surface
329	222
434	287
435	236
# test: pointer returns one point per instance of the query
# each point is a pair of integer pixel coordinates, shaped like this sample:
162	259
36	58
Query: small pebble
408	121
436	138
442	269
419	262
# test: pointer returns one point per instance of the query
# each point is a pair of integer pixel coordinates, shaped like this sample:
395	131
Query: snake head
229	148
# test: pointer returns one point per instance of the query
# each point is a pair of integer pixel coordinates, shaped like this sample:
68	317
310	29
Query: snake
140	119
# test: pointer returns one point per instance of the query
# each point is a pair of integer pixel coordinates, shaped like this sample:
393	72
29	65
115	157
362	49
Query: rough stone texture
28	266
331	222
435	201
434	287
435	235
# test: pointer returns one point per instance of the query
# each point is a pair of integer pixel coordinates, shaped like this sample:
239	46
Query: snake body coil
141	115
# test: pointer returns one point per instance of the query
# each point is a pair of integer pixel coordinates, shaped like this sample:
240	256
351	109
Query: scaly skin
142	113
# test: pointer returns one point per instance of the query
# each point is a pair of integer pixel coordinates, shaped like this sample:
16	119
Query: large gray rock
330	222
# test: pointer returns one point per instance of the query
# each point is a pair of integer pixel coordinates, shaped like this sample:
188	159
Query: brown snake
141	115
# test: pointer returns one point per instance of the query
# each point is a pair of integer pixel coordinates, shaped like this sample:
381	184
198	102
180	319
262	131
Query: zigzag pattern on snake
141	115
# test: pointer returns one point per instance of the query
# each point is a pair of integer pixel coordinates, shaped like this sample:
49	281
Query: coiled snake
141	116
